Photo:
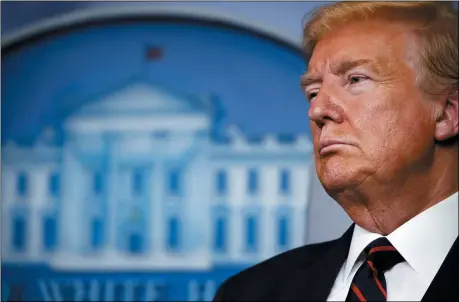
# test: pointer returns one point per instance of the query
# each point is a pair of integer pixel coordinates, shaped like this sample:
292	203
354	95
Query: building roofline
195	102
85	18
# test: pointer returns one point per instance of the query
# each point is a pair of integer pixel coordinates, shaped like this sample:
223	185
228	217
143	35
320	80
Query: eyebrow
308	79
340	68
347	64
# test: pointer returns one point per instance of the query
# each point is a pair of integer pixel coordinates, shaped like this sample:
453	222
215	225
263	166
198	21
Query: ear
447	125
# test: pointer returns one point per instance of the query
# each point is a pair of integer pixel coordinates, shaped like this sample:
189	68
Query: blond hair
435	25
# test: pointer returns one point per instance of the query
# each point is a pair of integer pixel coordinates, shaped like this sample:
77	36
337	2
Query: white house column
157	218
34	232
6	231
37	200
300	197
200	198
74	191
111	147
237	178
268	198
7	203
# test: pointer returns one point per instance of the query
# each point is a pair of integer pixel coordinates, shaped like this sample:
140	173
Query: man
382	83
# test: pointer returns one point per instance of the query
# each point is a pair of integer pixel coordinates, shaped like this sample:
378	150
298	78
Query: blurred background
150	150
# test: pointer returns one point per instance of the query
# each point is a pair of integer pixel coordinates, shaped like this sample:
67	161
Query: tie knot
382	255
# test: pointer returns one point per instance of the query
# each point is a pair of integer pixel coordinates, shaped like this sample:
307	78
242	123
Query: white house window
174	230
22	185
221	234
49	233
137	182
96	233
136	237
175	182
251	240
252	182
221	183
54	184
285	182
97	183
19	237
282	232
161	134
136	243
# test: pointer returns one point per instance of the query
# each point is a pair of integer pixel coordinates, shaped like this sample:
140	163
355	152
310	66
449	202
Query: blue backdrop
148	157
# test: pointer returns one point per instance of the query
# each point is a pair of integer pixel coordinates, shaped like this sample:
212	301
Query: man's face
369	119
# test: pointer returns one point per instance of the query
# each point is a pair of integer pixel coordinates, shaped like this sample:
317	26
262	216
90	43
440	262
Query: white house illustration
142	181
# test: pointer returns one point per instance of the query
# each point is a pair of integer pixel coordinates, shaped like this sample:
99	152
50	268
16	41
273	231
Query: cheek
377	120
392	131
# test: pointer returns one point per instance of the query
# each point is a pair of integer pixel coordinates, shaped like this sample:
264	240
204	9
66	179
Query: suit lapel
314	282
445	285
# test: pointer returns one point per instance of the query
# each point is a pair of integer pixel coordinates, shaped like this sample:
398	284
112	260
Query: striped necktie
369	283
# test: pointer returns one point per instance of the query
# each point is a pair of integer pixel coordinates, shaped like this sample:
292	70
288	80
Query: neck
383	207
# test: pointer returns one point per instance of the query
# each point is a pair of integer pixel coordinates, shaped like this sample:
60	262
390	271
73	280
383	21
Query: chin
337	175
337	185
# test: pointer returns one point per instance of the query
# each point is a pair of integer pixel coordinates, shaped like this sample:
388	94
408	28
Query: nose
324	109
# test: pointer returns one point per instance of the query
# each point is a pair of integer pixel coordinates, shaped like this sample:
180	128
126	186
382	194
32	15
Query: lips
326	142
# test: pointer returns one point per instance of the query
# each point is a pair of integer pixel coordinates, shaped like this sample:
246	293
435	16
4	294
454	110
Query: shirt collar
417	240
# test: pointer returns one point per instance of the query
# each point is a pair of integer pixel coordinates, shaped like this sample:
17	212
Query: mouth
328	145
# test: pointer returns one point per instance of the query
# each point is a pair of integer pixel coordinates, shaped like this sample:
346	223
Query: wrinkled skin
363	91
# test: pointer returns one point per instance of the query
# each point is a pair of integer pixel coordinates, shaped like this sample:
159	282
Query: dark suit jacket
309	272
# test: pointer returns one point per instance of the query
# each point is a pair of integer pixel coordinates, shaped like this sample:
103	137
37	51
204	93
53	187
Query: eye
356	79
312	94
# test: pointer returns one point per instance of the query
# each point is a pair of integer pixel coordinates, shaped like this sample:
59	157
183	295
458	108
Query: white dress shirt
424	241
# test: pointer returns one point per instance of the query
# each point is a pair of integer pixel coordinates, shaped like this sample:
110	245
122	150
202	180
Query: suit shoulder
276	268
287	260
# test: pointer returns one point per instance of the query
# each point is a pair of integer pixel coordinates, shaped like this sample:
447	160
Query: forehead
385	44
